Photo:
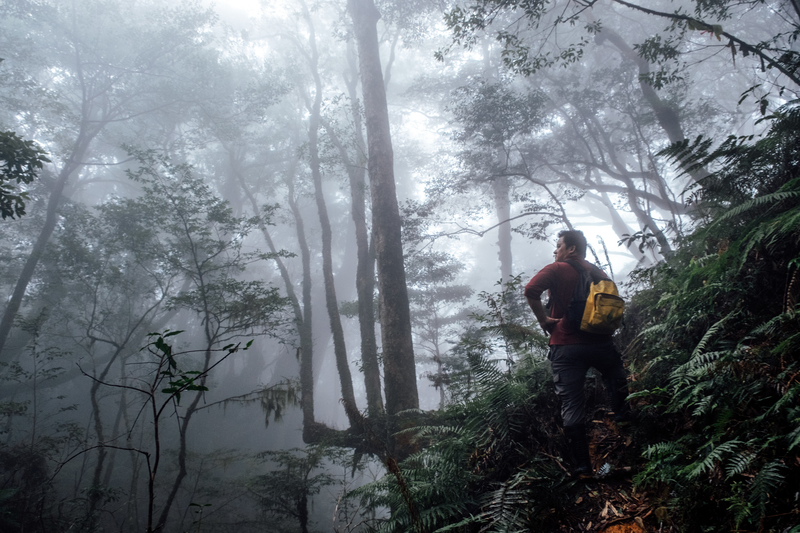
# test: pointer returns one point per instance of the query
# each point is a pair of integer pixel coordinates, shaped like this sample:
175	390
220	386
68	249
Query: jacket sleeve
539	283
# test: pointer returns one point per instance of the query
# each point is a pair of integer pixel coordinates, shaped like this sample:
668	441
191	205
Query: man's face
562	252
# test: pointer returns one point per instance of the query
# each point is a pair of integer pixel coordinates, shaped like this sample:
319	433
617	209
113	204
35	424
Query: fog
198	266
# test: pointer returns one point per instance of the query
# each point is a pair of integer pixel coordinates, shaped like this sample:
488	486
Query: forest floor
610	502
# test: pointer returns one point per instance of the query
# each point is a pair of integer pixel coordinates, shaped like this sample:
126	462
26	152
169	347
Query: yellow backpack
595	306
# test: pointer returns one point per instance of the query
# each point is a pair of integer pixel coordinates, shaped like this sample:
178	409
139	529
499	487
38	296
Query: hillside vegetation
711	336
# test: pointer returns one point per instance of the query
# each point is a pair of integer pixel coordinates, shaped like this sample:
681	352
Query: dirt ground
609	502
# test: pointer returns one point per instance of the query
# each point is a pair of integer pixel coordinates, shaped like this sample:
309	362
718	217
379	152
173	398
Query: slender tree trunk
331	301
619	225
112	454
666	115
302	512
400	377
365	269
182	446
72	163
94	489
302	314
332	304
306	327
502	207
500	185
132	506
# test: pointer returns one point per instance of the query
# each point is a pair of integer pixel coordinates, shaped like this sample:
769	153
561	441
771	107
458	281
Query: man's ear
572	250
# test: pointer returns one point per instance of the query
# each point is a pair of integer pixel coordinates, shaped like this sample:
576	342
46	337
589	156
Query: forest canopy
262	263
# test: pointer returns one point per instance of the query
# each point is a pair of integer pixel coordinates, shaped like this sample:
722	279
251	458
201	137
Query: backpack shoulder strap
576	265
594	273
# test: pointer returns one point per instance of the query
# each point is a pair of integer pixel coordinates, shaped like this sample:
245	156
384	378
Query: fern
765	484
794	436
661	450
717	368
769	327
469	520
714	456
691	156
704	405
759	201
504	508
712	331
739	463
785	228
788	398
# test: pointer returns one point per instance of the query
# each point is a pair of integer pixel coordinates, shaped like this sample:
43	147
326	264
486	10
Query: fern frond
759	201
739	463
794	436
702	361
770	326
705	405
504	508
766	482
658	329
470	519
690	156
712	331
661	450
712	458
788	398
771	233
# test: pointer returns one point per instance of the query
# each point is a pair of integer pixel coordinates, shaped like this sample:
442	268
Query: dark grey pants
570	362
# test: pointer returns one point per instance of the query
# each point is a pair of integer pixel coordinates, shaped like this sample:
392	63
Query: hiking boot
578	448
618	394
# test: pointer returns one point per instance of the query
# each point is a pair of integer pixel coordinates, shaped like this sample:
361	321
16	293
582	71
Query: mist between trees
248	248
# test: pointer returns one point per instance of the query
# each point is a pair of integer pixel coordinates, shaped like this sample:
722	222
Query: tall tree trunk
502	207
400	376
72	163
500	184
365	269
302	512
112	454
306	327
331	302
302	314
666	115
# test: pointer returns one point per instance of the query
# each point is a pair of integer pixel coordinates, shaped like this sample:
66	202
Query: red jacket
560	278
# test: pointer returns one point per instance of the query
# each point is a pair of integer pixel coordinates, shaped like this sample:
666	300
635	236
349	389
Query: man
573	351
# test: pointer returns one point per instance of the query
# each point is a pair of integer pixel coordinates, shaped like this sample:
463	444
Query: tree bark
502	205
400	379
331	302
306	327
72	163
365	269
302	314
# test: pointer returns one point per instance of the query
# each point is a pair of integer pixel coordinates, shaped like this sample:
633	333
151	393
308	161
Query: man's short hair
574	237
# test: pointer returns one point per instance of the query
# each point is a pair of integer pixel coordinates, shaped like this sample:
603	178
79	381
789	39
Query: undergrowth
489	461
713	335
716	356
